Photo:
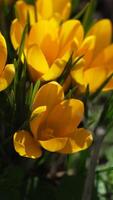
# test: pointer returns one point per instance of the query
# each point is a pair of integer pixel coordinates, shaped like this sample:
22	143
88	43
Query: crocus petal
104	58
67	83
103	32
23	10
86	49
80	140
66	11
45	8
65	117
41	30
62	8
16	33
3	52
70	29
109	86
37	62
54	144
55	70
37	118
77	72
49	95
7	76
25	145
94	77
45	35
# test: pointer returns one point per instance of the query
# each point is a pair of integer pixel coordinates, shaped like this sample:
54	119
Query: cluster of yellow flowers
52	39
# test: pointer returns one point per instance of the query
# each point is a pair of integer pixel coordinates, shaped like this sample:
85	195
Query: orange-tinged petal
49	95
94	77
80	140
109	86
54	144
103	32
104	58
37	118
23	10
3	52
25	145
70	29
65	117
67	83
7	76
37	61
16	33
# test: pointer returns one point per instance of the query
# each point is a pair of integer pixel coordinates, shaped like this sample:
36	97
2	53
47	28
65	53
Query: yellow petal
37	118
49	95
54	144
66	11
103	32
104	58
3	52
65	117
45	35
70	29
37	62
55	70
43	29
45	8
25	145
62	8
23	10
7	76
77	72
87	49
16	33
94	77
109	86
80	140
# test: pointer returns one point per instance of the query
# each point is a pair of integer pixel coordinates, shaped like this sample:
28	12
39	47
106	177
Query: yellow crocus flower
60	9
53	125
43	9
97	62
7	71
49	47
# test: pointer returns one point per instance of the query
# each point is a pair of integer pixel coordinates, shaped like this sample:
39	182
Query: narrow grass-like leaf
36	87
29	95
104	170
66	71
71	92
81	13
87	20
22	44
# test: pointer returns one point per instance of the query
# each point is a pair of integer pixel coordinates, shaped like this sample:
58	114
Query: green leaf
81	13
36	87
22	44
88	17
104	170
